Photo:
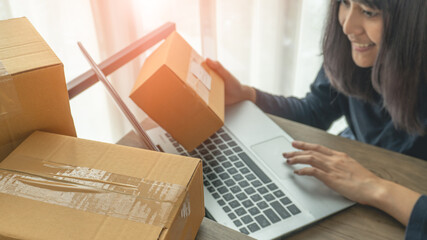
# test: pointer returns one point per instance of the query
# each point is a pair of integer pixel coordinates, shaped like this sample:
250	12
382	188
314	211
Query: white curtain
271	44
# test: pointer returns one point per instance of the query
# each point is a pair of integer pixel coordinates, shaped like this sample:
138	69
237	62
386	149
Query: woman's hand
337	170
234	90
349	178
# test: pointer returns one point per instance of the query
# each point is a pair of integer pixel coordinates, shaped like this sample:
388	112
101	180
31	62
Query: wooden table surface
356	222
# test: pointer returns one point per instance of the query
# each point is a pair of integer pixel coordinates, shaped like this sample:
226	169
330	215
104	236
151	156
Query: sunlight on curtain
104	27
257	41
185	13
62	24
273	45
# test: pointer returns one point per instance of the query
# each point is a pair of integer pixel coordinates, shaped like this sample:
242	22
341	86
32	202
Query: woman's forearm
395	199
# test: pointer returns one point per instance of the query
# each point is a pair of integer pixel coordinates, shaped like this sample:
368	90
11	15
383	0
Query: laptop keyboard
240	187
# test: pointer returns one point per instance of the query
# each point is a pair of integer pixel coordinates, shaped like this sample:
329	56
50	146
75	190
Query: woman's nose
352	24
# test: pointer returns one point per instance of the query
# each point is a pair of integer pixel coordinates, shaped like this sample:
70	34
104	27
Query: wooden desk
357	222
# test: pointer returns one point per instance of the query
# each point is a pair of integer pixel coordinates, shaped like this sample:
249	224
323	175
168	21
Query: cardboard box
182	96
33	92
60	187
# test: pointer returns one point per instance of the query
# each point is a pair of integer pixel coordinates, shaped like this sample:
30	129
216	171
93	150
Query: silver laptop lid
120	103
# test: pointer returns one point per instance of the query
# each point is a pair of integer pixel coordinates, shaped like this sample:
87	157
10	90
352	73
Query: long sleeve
319	108
368	122
417	226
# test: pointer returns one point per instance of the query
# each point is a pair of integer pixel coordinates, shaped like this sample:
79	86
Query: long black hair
399	71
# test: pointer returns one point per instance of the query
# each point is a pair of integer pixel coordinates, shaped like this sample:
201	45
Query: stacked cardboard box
60	187
33	92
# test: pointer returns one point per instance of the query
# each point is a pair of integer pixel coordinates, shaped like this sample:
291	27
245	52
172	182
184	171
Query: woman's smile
362	47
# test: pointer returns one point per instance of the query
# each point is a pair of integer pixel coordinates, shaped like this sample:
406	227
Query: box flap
23	49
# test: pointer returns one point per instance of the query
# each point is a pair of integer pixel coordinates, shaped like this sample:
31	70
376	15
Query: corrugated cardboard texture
39	81
24	218
162	92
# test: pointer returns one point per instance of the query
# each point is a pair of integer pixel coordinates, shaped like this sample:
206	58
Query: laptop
247	184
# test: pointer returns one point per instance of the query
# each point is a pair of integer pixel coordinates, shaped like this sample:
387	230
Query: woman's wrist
249	93
382	191
394	199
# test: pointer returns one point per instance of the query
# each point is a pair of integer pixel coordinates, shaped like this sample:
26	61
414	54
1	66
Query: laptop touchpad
271	152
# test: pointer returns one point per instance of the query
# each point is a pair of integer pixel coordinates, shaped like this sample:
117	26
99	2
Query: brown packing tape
93	190
197	77
9	106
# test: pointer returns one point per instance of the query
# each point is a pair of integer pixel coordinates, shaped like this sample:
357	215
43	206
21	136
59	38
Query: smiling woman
374	74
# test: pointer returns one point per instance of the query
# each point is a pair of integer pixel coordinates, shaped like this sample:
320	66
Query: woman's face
363	26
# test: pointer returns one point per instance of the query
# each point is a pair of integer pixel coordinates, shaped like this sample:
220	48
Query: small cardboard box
178	91
61	187
33	92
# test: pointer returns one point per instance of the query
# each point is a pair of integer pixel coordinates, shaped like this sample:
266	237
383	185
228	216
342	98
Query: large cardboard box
60	187
33	92
178	91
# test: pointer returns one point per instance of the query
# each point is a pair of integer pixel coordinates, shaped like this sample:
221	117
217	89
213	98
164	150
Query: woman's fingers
336	170
301	153
219	69
234	90
314	172
315	160
213	64
312	147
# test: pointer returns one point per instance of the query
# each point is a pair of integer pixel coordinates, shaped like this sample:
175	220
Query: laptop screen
120	103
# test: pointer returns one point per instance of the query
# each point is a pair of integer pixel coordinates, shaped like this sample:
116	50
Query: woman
374	73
